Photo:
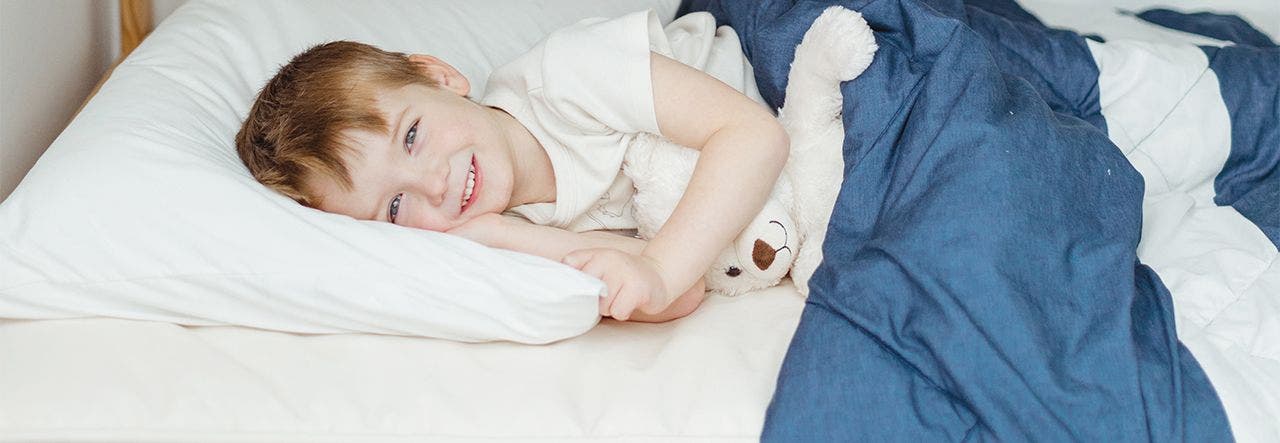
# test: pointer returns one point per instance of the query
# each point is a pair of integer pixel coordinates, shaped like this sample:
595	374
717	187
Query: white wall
52	53
162	8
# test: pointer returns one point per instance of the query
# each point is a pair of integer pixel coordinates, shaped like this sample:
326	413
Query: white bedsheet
706	377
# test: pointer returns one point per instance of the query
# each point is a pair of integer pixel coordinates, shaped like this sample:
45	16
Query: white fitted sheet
709	375
705	377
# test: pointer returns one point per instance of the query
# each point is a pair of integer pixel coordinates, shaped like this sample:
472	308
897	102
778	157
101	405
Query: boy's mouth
469	193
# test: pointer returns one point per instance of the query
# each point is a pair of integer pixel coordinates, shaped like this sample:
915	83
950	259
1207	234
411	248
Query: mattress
708	376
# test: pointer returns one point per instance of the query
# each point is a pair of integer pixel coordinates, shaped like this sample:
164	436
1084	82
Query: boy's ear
444	74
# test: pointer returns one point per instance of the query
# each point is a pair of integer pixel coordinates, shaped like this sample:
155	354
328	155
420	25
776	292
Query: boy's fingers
599	263
580	257
577	258
623	305
615	305
653	305
595	269
598	269
609	296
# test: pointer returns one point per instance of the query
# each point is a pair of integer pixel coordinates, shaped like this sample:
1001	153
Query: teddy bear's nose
762	254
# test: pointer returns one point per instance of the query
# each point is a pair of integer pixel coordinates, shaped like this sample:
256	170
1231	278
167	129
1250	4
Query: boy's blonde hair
294	131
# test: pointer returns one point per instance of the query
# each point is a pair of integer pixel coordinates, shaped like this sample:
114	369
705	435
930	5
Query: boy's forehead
390	106
386	96
333	195
358	141
354	148
363	146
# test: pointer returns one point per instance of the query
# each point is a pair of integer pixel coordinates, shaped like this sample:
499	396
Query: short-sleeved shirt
585	92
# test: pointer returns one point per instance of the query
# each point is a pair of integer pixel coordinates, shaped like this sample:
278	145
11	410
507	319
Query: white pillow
142	210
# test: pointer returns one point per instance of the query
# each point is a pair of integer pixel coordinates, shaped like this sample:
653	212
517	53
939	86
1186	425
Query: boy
351	129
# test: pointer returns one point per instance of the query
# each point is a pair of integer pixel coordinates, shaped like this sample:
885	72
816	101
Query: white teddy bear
788	232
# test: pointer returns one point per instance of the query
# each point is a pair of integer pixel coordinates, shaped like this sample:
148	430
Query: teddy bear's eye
733	271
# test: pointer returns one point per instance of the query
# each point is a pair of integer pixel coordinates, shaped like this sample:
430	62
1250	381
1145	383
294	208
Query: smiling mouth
469	194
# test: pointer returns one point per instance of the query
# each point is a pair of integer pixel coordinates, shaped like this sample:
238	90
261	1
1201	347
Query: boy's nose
436	184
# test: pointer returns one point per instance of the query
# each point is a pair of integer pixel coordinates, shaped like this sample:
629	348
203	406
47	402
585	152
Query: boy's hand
634	281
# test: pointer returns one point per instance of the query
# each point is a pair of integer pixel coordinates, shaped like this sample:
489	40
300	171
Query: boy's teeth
471	184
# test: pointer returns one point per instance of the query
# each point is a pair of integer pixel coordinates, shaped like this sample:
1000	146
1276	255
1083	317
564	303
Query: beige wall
52	53
162	8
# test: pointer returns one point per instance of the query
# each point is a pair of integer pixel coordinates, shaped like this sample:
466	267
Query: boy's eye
394	208
410	136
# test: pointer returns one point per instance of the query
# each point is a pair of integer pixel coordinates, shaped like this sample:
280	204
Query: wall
52	54
162	8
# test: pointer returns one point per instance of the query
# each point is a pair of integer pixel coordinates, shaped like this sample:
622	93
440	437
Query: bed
710	376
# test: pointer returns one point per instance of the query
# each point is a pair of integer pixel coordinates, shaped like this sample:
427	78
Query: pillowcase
142	210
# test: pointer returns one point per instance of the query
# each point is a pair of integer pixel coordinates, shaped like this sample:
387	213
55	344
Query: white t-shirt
585	93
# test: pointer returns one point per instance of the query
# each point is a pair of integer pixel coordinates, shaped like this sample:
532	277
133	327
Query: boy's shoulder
593	42
593	74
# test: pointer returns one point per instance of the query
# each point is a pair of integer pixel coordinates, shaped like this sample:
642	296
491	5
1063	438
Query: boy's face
447	160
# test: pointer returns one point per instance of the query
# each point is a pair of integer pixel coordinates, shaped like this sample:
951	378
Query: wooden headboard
135	24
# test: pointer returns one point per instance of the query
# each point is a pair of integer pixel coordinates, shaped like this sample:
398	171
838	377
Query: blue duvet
980	279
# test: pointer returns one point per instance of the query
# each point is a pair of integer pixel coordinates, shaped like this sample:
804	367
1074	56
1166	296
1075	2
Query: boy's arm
743	150
516	234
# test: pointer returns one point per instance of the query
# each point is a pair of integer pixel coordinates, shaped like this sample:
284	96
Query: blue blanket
980	279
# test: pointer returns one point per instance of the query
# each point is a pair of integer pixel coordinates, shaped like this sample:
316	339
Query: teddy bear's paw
802	269
802	286
642	154
840	44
